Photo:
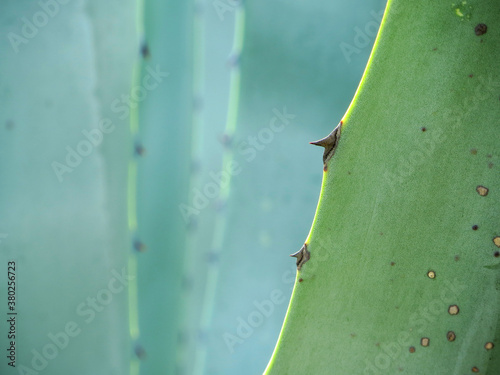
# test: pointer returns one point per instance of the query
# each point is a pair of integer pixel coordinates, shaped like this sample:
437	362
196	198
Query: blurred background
155	174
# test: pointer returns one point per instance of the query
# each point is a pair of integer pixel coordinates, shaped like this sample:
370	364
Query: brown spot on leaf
475	227
425	341
457	258
431	274
450	336
482	190
489	346
233	60
480	29
226	140
473	151
139	149
475	369
412	349
423	128
145	50
453	310
496	241
392	263
471	75
140	352
496	254
139	246
301	279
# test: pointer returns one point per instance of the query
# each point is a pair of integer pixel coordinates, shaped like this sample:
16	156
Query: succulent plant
403	268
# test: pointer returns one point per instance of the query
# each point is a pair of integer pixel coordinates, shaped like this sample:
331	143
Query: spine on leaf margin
403	271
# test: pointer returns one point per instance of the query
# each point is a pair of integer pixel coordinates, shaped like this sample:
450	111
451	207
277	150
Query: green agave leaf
63	166
280	99
212	71
403	271
163	145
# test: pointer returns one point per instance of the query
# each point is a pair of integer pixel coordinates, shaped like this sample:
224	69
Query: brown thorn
303	255
330	143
